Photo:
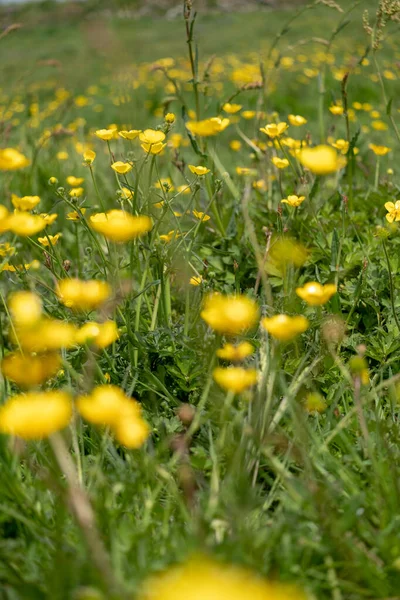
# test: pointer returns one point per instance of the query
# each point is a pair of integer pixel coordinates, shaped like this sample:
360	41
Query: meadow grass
280	454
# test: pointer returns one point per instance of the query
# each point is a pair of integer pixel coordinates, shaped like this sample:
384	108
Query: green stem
391	286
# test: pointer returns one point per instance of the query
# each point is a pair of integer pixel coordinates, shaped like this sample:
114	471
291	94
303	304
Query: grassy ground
296	477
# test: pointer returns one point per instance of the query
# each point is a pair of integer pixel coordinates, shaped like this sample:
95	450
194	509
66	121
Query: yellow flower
36	415
196	280
235	353
30	370
316	294
83	295
153	148
170	118
274	130
76	192
6	249
229	314
49	240
231	109
121	167
48	219
336	110
120	226
207	127
379	126
24	203
183	189
245	171
321	160
201	578
74	181
105	134
25	308
297	120
46	335
62	155
248	114
199	170
22	223
11	160
132	432
284	327
260	185
167	237
293	200
132	134
99	334
342	145
379	150
4	219
127	194
89	156
280	163
314	402
235	379
75	215
393	211
201	216
35	264
151	136
235	145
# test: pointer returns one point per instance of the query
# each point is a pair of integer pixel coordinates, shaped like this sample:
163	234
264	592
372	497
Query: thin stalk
391	286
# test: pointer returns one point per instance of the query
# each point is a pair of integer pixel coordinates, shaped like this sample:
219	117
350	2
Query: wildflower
393	211
196	280
206	579
12	160
75	215
379	150
316	294
127	194
207	127
74	181
89	156
99	334
235	379
105	134
235	145
48	219
168	237
153	148
132	433
198	170
280	163
379	125
25	308
170	118
53	181
201	216
231	109
293	200
284	327
35	264
152	136
30	370
132	134
24	203
120	226
314	402
50	240
35	415
121	167
46	335
22	223
183	189
321	160
83	295
76	192
229	314
297	120
245	171
342	145
62	155
274	130
6	249
235	353
248	114
260	185
336	109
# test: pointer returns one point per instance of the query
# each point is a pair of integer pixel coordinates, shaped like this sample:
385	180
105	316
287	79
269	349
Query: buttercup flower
342	145
121	167
297	120
24	203
46	335
235	379
316	294
25	308
132	134
321	160
127	194
231	109
207	127
89	156
293	200
76	192
336	110
199	170
48	219
12	160
201	216
83	295
30	370
379	150
25	224
285	327
74	181
170	118
152	136
280	163
105	134
36	415
49	240
235	353
75	215
230	314
120	226
195	280
274	130
393	211
99	334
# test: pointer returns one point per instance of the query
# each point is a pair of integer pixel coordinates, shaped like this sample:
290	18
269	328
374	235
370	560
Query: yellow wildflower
297	120
121	167
89	156
231	109
24	203
12	160
25	308
316	294
127	194
75	215
207	127
198	170
74	181
285	327
49	240
274	130
30	370
342	145
99	334
105	134
196	280
132	134
321	160
280	163
230	314
25	224
235	353
170	118
120	226
46	335
48	219
201	216
235	379
83	295
235	145
293	200
76	192
379	150
393	211
336	109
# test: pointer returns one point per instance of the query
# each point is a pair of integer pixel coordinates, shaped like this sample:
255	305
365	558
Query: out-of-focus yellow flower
105	134
35	264
76	192
6	249
230	314
155	148
120	226
25	308
231	109
286	251
24	203
196	280
89	156
393	211
235	145
30	370
12	160
99	334
336	109
285	327
121	167
280	163
75	215
132	134
235	379
260	185
198	170
245	171
379	125
293	200
314	402
62	155
274	130
204	579
48	219
49	240
4	219
379	150
297	120
46	335
342	145
235	353
170	118
74	181
248	114
35	415
127	194
207	127
321	160
201	216
25	224
316	294
83	295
